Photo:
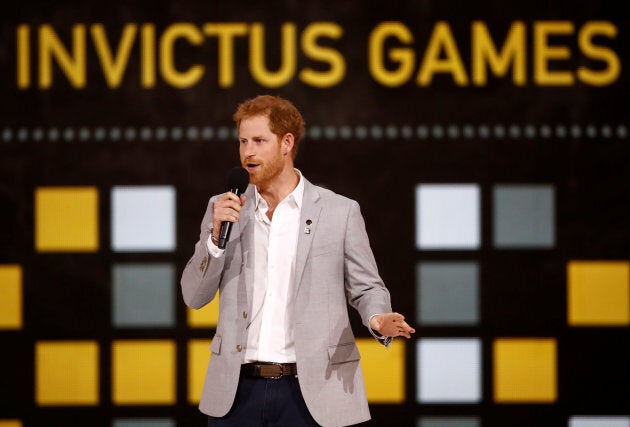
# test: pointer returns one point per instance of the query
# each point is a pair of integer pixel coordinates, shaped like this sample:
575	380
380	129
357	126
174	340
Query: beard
266	171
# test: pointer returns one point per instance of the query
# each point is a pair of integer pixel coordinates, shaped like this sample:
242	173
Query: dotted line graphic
317	132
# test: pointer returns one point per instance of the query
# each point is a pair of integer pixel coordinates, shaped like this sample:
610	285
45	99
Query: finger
225	213
232	207
229	198
408	328
406	333
228	204
230	214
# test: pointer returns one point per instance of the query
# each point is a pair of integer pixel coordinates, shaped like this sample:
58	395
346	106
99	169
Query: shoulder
329	197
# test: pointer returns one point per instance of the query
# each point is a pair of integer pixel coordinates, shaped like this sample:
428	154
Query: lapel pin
307	229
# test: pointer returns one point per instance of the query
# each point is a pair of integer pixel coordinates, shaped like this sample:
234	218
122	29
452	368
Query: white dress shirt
270	332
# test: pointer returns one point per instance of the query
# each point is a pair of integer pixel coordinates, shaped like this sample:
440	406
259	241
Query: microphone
238	179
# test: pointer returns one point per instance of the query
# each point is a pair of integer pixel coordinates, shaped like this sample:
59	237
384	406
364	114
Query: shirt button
244	315
239	348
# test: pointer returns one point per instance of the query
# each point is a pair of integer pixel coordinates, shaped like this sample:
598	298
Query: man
284	353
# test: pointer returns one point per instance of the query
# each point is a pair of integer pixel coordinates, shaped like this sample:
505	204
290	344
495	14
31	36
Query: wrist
214	238
375	324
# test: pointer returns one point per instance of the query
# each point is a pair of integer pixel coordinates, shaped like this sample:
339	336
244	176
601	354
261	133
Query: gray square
524	216
143	295
143	422
447	293
448	422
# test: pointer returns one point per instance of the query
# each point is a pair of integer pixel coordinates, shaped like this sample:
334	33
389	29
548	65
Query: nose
246	149
248	154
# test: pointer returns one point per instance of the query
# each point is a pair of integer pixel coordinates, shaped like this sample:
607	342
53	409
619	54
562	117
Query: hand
227	208
391	325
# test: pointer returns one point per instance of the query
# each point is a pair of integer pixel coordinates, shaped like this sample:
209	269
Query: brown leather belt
269	369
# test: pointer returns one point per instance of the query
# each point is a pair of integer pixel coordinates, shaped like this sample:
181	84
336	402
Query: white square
599	421
448	216
449	370
143	219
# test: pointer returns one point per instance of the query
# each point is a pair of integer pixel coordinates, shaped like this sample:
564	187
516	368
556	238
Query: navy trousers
266	402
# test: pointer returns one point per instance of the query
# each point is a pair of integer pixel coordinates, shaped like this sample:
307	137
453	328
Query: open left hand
391	325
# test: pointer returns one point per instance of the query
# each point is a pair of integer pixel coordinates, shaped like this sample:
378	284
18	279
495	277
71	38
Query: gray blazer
334	267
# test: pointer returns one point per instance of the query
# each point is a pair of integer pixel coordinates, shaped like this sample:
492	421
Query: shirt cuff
213	249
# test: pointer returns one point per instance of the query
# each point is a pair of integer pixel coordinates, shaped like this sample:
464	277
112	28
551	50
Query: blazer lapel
246	231
247	213
309	219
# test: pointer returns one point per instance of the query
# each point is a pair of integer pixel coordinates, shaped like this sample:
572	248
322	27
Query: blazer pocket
324	249
341	353
215	345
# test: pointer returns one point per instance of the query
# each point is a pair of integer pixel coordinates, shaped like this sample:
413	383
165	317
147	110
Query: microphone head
238	179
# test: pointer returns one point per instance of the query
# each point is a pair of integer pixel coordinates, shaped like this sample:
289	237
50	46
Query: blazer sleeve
365	289
202	274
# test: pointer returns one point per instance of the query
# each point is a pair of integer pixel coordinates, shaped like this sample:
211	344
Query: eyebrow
253	137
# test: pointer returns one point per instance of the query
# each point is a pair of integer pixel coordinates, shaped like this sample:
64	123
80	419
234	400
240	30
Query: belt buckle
279	365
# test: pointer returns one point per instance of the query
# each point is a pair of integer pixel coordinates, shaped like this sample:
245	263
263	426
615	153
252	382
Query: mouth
251	166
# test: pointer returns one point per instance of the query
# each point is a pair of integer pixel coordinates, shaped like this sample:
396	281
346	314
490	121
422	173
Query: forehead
252	126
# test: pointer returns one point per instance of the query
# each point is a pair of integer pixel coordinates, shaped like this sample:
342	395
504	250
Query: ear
288	141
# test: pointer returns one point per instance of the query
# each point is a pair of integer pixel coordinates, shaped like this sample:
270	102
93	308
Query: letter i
23	56
147	59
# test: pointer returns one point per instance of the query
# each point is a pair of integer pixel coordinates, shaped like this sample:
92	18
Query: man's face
260	150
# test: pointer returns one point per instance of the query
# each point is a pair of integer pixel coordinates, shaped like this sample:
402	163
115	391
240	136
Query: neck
280	187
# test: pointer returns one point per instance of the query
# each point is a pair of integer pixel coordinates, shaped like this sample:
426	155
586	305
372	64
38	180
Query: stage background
487	144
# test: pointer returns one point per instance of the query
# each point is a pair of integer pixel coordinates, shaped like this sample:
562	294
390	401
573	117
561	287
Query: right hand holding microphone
226	209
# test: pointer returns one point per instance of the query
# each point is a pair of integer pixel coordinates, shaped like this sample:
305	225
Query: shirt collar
297	195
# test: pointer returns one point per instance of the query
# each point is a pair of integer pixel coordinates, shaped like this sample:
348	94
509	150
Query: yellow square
206	317
383	370
198	358
10	423
67	373
10	296
66	219
144	372
598	293
525	370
